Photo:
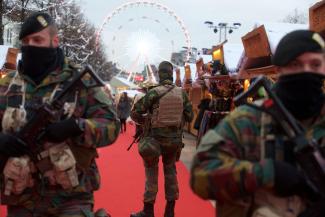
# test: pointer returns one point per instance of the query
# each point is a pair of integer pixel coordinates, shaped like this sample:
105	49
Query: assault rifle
307	152
32	134
138	135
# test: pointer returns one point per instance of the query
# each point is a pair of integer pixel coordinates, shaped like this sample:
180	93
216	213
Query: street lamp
222	26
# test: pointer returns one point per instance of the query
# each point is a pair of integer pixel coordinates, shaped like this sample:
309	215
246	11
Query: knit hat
35	23
296	43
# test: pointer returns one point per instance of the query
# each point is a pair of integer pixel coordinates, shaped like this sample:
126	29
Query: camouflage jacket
101	128
146	103
229	166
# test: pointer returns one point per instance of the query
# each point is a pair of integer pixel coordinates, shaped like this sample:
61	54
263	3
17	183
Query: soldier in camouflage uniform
165	107
232	164
89	122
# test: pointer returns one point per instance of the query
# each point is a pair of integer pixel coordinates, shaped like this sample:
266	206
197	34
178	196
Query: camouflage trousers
150	150
48	208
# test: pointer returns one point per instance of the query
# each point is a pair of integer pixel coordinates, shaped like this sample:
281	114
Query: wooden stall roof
216	47
317	17
11	58
257	53
270	71
256	43
219	77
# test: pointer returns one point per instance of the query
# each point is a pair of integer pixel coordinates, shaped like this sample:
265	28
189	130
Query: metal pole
225	32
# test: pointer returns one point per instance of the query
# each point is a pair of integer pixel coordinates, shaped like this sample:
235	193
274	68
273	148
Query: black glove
11	146
62	130
289	181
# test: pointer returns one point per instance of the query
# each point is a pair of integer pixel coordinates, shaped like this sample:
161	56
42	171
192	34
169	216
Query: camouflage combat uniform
160	141
101	128
231	166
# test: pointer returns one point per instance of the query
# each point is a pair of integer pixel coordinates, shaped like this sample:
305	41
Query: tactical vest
59	159
169	110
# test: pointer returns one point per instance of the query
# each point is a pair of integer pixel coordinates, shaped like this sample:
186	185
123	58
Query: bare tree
1	25
296	17
14	11
78	39
76	33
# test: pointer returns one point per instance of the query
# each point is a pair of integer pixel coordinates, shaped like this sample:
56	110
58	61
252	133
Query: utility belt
58	167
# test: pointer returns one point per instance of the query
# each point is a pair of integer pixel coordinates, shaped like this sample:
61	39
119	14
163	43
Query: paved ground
189	149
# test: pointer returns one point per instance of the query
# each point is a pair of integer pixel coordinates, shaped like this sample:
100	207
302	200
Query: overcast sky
194	13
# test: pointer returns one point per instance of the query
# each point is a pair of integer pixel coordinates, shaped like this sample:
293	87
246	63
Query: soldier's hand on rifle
11	146
288	181
59	131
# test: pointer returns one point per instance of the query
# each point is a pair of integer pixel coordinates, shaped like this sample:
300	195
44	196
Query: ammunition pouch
57	164
17	175
64	166
65	159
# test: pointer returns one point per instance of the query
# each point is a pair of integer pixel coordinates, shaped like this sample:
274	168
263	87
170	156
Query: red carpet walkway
122	187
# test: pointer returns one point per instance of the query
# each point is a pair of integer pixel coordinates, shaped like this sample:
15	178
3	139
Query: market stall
214	87
317	17
260	45
8	59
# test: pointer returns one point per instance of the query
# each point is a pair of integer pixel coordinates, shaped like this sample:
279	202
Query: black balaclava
38	62
301	93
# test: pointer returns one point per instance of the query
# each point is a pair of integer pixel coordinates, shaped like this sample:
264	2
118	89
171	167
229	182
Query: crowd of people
265	158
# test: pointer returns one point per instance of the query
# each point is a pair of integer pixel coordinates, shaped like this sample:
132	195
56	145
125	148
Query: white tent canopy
232	54
206	58
121	83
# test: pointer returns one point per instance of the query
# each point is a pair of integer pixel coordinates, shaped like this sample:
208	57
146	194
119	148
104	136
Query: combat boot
148	211
169	209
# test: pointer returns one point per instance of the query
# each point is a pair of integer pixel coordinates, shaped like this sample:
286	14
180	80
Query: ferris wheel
143	32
